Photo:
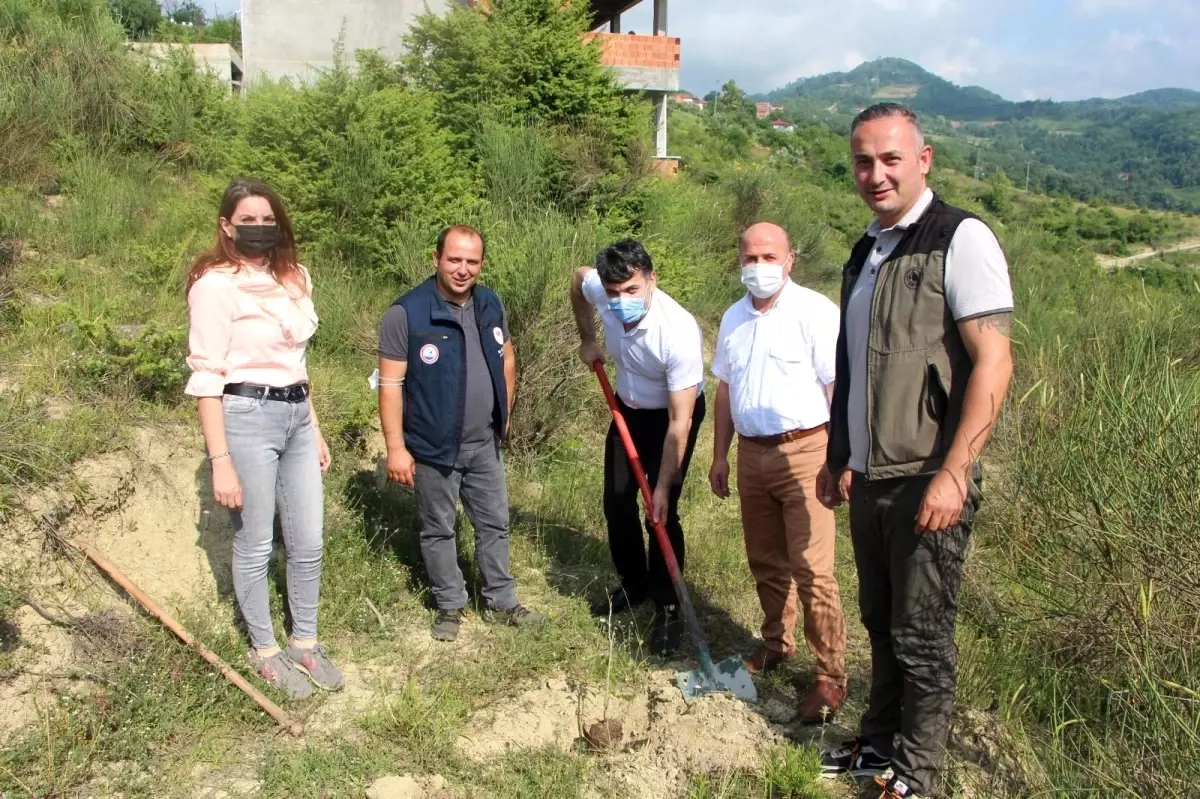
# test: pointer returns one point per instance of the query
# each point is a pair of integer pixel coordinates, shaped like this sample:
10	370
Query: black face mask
256	240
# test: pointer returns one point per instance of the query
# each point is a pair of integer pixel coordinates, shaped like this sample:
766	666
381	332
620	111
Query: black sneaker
446	624
620	603
517	617
856	758
666	630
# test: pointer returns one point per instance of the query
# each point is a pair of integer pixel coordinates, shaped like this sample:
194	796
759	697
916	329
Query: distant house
764	110
687	98
221	60
783	126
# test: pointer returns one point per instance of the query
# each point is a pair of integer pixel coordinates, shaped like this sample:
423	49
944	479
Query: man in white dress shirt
775	361
656	348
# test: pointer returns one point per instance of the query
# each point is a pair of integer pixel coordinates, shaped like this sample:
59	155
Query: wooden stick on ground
281	717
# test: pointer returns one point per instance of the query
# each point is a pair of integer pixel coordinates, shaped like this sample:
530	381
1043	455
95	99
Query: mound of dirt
144	509
407	786
164	533
44	652
661	738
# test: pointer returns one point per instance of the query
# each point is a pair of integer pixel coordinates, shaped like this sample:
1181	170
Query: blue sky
1021	49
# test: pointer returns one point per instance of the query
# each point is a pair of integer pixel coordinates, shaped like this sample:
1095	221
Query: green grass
1079	609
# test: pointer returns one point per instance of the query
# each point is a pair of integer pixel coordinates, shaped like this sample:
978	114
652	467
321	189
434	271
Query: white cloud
1132	40
958	69
926	7
1095	8
1021	49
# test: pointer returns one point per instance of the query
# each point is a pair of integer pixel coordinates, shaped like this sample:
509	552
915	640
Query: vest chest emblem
912	277
499	335
430	354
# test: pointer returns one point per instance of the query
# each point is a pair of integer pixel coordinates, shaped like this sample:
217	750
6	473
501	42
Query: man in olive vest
923	364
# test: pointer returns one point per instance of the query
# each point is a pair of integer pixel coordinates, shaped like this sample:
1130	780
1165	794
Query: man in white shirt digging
656	347
775	359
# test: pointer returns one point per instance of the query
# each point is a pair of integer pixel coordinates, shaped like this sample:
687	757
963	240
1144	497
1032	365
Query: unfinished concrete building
297	39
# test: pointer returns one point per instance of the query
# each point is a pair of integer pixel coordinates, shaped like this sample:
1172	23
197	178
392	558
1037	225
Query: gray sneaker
446	624
517	617
281	672
317	665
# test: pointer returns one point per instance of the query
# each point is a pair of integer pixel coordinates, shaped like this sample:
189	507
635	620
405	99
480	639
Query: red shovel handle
635	462
660	528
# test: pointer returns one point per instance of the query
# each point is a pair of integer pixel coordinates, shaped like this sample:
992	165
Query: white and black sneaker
856	758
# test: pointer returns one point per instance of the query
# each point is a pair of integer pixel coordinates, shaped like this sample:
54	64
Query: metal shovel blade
728	676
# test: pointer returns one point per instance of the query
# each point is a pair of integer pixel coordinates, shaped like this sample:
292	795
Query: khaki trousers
790	546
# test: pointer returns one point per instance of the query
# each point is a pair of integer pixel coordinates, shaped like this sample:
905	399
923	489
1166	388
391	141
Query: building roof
606	8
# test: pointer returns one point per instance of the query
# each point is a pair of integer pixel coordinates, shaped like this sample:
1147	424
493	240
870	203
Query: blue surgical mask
628	309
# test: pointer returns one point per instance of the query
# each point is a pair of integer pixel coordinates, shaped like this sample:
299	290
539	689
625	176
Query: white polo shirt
663	353
777	363
975	281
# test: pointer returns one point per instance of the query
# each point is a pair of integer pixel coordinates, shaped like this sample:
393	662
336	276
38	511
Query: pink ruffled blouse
244	327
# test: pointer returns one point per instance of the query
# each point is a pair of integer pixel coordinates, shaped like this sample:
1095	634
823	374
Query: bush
150	361
66	73
522	60
355	160
139	18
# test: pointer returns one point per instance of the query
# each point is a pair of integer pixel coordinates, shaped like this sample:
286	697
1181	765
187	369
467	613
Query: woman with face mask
251	315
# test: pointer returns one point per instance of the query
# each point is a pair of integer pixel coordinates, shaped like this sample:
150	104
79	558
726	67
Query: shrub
149	360
139	18
66	73
523	59
354	161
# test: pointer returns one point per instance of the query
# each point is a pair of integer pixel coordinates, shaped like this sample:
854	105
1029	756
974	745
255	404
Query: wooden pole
281	717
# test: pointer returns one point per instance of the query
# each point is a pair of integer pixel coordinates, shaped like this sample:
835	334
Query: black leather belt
293	393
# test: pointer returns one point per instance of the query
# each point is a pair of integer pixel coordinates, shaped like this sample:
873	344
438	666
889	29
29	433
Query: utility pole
978	171
1027	165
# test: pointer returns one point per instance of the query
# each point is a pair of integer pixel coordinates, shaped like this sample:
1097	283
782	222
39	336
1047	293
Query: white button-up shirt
778	362
661	354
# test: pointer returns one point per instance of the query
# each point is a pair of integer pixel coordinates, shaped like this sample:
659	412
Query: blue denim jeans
274	450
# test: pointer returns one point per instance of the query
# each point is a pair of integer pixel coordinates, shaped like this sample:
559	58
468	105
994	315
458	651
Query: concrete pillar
660	17
614	23
660	118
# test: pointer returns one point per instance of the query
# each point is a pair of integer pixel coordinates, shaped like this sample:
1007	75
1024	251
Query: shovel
728	676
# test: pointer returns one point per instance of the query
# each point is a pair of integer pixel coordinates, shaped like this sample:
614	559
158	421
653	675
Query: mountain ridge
899	79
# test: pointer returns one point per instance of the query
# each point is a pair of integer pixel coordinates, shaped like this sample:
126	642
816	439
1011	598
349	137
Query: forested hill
1142	149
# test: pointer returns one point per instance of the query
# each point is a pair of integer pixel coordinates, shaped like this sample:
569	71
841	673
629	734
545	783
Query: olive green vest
917	365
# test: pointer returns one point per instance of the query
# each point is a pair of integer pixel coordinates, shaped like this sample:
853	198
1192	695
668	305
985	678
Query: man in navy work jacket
444	412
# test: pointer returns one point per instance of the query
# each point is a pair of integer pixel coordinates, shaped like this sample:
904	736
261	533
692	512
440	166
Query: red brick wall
628	50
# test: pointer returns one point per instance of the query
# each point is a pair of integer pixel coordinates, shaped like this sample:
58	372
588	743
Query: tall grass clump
66	73
1090	632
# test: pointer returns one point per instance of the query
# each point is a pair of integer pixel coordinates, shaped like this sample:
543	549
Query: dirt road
1111	262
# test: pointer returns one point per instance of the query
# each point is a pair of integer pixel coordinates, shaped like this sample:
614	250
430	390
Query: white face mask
762	280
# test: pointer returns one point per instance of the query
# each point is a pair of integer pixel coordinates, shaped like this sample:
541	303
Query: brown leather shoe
824	700
765	660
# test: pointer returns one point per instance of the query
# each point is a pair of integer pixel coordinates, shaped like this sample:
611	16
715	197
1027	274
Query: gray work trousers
908	595
478	478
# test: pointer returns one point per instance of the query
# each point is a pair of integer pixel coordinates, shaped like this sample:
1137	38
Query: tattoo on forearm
1001	322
